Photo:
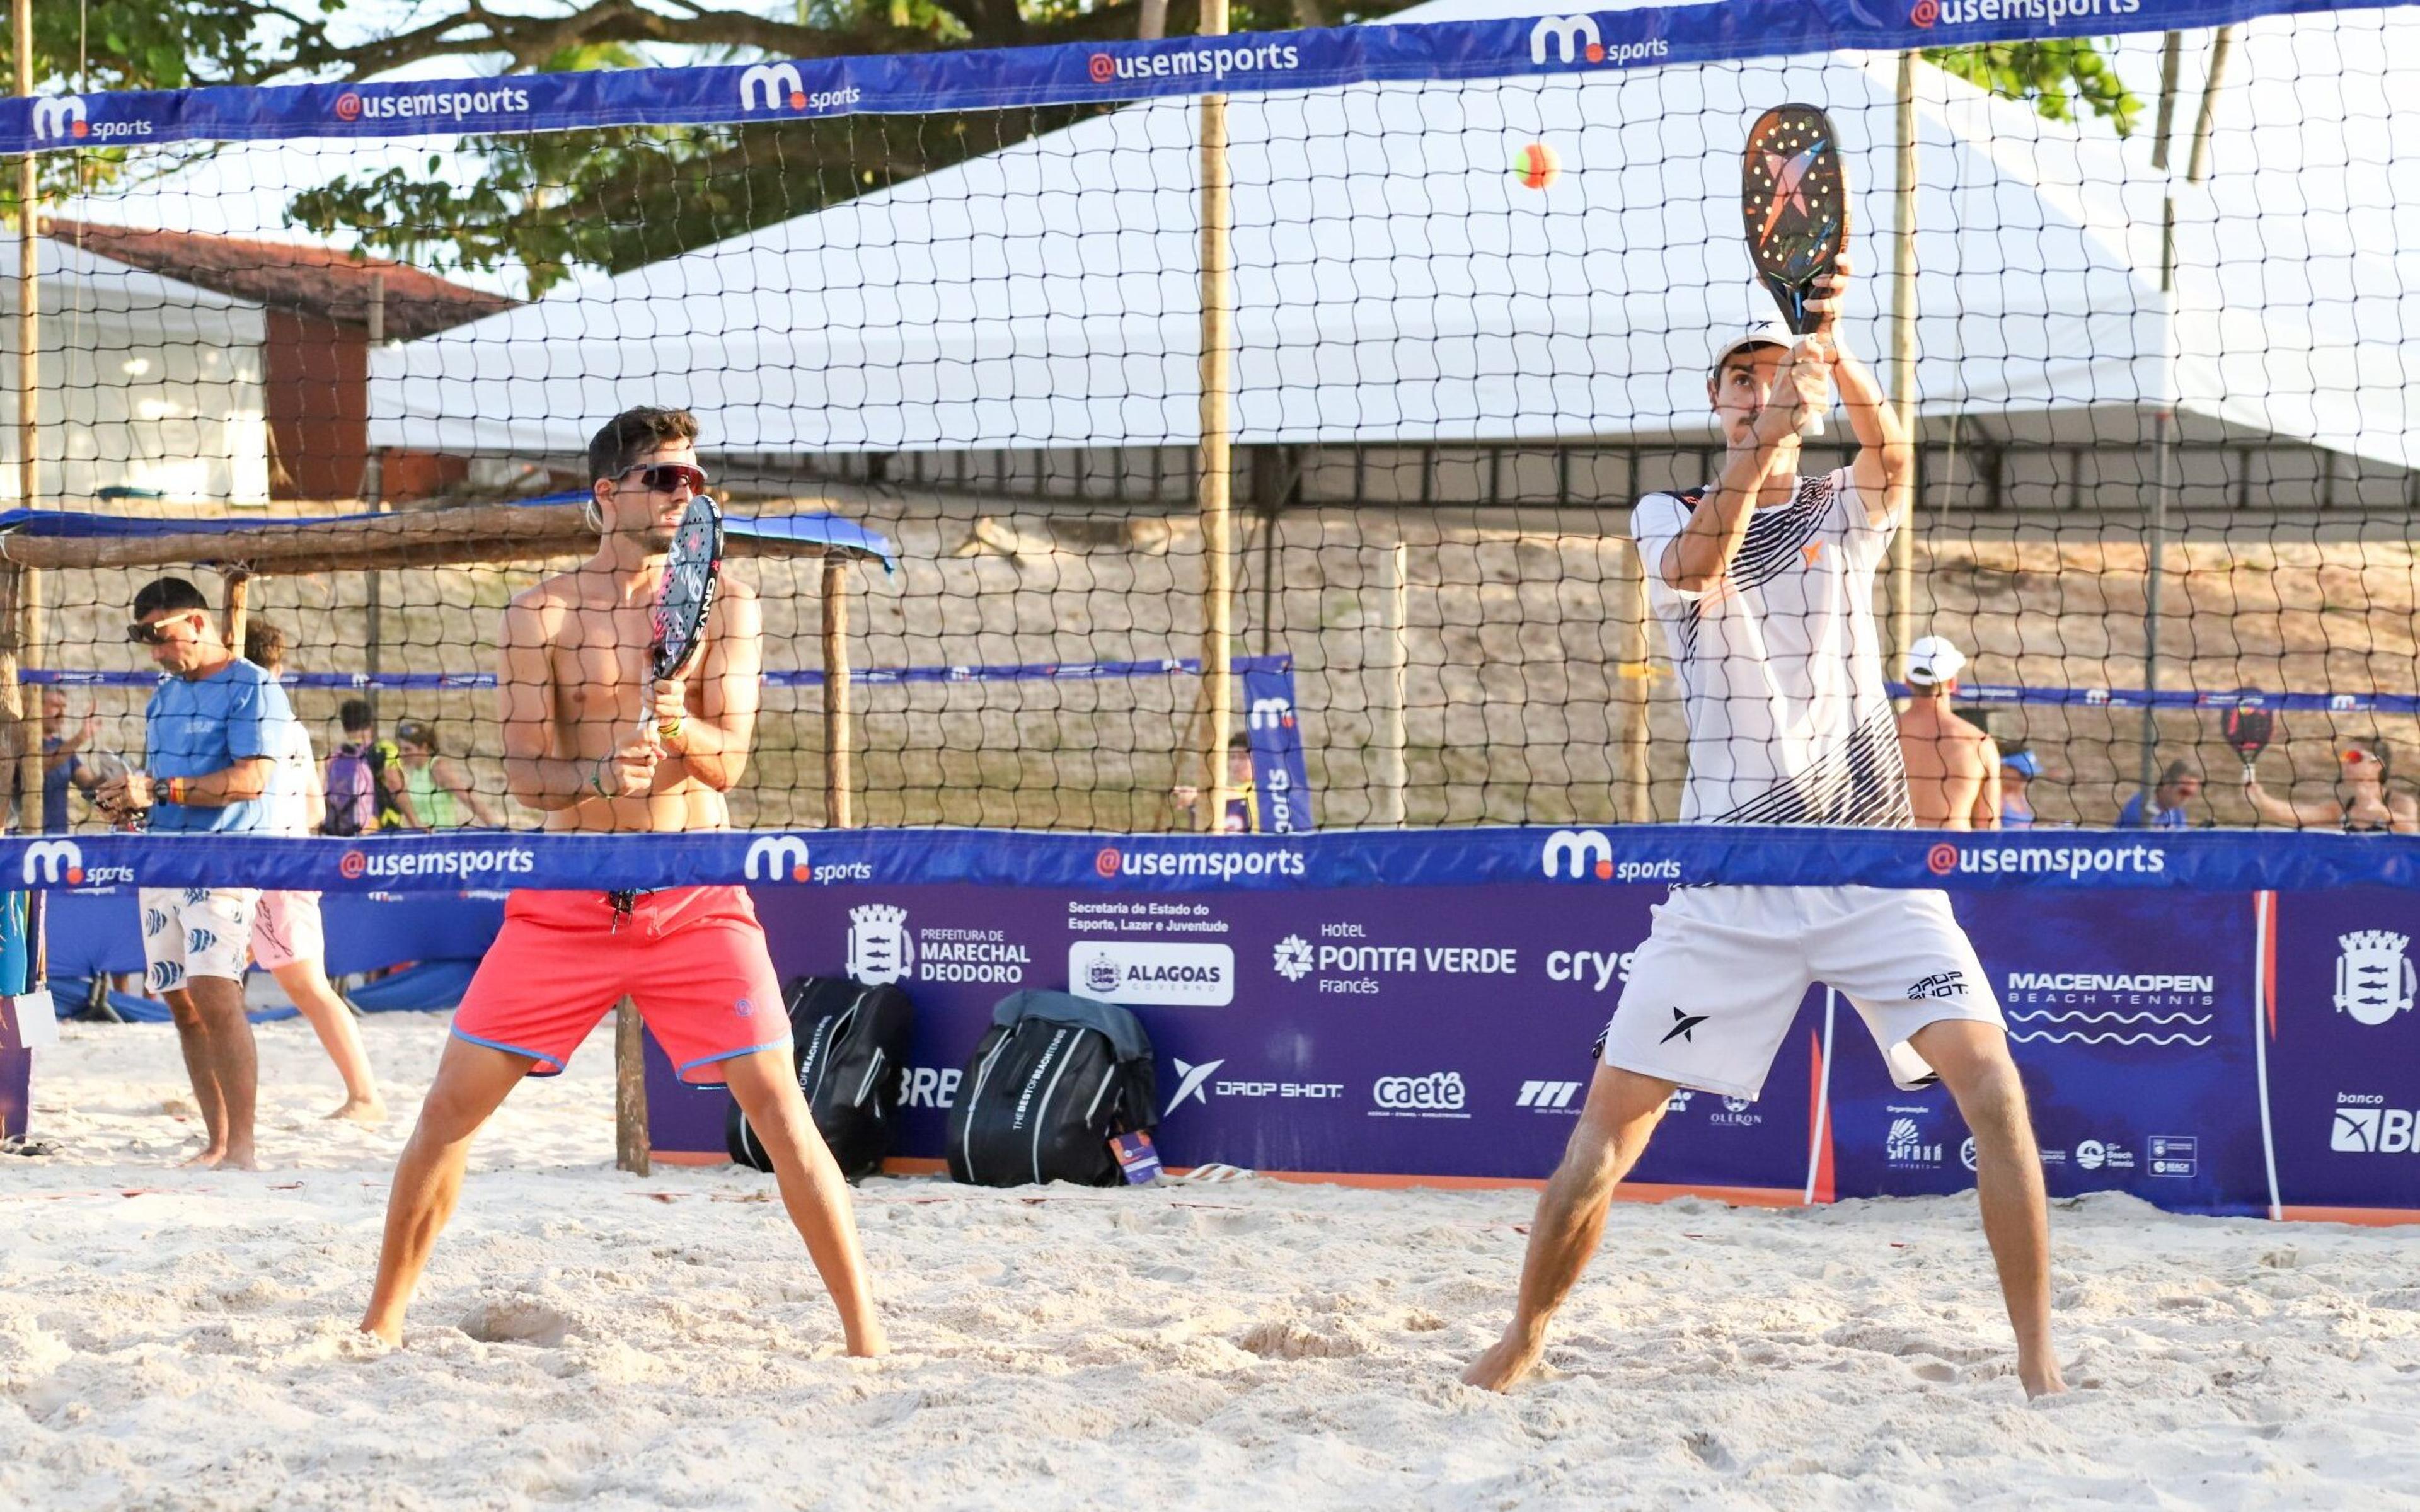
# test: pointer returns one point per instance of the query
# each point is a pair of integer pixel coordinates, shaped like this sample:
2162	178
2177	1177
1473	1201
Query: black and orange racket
2249	732
1794	199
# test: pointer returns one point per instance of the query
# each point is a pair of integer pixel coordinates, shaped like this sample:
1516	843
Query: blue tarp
814	529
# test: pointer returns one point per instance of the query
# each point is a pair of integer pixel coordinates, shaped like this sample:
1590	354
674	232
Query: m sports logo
775	83
1576	853
49	861
777	858
1572	39
61	117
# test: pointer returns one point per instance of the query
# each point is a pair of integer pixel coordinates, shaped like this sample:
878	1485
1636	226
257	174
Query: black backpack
1055	1077
851	1045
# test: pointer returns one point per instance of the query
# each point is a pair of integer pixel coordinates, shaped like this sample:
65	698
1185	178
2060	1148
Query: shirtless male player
1764	582
1953	767
590	743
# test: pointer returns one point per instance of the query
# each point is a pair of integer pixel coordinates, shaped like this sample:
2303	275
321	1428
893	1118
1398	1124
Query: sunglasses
2355	758
663	477
151	635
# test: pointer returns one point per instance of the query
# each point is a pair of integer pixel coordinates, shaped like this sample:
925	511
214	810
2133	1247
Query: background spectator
2362	803
437	793
2178	785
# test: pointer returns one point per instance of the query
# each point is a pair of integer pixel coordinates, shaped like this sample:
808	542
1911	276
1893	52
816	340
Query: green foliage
2054	76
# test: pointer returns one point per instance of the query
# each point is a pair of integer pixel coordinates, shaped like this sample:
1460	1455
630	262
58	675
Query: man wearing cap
1953	769
1764	581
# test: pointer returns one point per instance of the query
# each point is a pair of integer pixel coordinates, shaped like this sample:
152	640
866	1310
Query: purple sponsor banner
1383	1031
2344	1050
2132	1016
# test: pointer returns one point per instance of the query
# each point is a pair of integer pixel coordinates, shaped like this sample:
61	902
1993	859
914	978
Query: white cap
1769	333
1933	660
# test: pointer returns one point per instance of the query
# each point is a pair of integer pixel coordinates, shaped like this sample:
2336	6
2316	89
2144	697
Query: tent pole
239	607
836	725
1217	519
1903	359
2164	419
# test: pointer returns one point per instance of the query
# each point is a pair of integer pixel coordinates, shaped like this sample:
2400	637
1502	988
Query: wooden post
239	607
1631	686
1216	496
374	499
1902	360
836	730
12	706
1389	804
2163	418
29	292
632	1150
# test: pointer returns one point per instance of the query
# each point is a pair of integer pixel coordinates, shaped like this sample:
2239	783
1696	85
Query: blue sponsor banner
2030	862
1421	1031
2131	1017
1082	72
1280	775
2342	1047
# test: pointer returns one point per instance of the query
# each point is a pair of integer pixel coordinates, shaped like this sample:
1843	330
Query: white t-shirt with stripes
1780	664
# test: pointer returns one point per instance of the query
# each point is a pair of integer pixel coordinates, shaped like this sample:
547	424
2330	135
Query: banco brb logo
775	82
55	118
776	858
46	859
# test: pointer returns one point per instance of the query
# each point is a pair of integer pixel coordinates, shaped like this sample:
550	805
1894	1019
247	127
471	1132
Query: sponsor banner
1074	74
1281	773
2344	1049
1310	1030
2075	862
2131	1016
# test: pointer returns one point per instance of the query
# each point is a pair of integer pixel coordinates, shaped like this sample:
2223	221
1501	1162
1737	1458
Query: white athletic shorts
195	931
1714	990
286	928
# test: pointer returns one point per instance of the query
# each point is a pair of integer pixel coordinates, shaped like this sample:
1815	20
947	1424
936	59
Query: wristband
596	778
177	790
670	729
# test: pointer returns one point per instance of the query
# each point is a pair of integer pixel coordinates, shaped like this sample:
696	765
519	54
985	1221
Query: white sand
172	1339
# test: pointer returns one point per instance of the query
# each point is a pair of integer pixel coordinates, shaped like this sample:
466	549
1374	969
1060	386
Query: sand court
184	1339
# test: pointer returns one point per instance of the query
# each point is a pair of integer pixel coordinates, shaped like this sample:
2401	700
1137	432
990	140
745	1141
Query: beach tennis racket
692	572
1795	200
2249	732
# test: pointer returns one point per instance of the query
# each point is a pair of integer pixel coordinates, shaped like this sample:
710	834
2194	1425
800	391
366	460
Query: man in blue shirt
2178	786
211	737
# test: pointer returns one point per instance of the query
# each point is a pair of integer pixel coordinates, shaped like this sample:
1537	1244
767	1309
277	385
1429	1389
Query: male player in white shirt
287	939
1764	583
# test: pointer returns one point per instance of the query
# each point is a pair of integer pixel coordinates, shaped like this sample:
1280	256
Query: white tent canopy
1395	283
148	383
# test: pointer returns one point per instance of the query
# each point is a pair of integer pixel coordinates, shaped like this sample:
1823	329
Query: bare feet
1507	1361
361	1110
873	1346
240	1158
390	1330
2043	1380
206	1160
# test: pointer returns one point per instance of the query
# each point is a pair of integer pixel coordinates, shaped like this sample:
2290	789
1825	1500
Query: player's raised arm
713	716
1884	467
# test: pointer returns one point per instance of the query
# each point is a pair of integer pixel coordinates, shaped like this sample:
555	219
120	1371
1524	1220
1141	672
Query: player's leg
289	941
704	981
1621	1112
1711	997
472	1081
228	1075
1974	1063
813	1190
1907	966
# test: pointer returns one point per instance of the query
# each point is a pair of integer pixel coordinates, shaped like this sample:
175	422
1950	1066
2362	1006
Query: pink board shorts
693	959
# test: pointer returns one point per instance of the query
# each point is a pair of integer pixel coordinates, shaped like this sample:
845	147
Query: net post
836	723
1902	358
2164	419
29	302
1629	682
1394	737
632	1150
373	492
26	799
1216	499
